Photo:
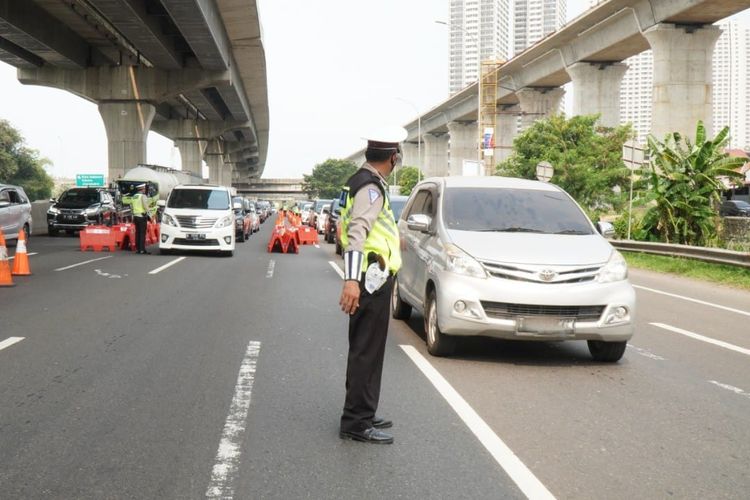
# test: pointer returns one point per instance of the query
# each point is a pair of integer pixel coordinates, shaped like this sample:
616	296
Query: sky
335	68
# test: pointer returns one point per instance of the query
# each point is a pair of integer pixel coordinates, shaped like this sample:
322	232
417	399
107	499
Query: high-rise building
486	22
535	19
731	75
636	91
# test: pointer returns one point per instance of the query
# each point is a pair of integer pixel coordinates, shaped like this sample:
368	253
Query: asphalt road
224	377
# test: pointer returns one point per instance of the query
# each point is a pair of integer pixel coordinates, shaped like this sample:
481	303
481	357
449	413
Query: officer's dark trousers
140	233
368	328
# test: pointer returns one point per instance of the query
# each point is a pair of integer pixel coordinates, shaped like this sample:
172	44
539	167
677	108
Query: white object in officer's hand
375	278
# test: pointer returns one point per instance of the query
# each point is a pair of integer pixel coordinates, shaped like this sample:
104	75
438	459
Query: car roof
2	186
202	186
492	181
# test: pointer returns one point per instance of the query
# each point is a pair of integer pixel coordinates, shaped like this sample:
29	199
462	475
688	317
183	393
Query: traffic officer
140	205
369	237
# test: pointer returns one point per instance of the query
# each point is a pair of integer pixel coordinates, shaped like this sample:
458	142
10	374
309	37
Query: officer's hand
349	301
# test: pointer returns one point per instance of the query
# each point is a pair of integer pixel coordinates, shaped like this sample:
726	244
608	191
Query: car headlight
91	211
224	222
616	269
53	211
168	220
460	262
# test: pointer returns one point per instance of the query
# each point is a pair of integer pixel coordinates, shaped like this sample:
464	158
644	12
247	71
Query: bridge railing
713	255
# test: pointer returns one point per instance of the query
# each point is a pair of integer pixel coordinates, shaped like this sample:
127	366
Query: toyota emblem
547	275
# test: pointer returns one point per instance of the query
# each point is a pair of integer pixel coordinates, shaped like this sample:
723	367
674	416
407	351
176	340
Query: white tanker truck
159	182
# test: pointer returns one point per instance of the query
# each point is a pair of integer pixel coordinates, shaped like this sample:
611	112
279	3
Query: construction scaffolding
488	113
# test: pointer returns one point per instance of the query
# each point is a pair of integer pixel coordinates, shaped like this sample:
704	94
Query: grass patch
738	277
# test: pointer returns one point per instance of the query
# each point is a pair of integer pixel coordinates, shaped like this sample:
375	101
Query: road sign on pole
633	156
544	171
89	180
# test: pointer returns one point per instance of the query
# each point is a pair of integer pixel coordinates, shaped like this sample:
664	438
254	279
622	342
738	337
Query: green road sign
89	180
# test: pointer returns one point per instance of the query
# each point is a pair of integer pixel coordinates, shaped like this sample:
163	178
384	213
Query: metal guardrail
714	255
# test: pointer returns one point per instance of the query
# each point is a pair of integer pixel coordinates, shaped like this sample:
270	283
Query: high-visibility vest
139	203
383	239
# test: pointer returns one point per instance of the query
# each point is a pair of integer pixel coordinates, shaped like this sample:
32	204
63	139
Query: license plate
546	325
196	236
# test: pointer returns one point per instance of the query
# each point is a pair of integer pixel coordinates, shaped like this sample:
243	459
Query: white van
198	217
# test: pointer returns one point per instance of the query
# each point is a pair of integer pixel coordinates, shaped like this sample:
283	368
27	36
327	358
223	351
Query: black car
329	233
735	208
81	207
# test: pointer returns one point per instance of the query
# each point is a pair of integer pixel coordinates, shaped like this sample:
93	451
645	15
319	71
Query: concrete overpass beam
435	155
127	124
683	82
463	145
507	129
538	103
596	90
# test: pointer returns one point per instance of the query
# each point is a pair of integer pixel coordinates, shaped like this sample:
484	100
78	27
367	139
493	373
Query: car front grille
196	243
502	310
192	222
542	274
70	216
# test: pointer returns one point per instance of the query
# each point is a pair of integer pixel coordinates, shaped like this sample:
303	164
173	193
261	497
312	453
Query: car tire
52	232
228	253
241	237
27	232
609	352
399	308
438	343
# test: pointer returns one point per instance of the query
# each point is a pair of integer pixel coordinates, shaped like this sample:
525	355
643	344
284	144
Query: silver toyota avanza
513	259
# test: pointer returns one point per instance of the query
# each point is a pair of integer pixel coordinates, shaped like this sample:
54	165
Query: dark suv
735	208
81	207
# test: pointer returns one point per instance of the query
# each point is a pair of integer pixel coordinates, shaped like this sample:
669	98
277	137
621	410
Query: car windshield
201	199
513	210
398	206
80	197
238	200
320	204
741	204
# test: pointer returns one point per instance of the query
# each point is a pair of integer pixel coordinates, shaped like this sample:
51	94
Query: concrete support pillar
411	154
464	140
435	155
596	90
191	152
127	124
214	169
507	129
683	58
537	104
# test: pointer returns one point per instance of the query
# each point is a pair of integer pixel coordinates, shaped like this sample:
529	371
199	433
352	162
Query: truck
159	183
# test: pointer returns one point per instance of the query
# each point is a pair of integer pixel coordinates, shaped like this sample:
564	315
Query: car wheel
241	237
27	232
228	253
607	351
399	308
438	343
339	250
52	232
164	251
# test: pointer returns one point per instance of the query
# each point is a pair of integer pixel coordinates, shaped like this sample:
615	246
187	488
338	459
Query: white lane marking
316	245
732	388
83	263
646	353
720	343
168	264
107	275
518	472
690	299
336	268
228	455
271	267
10	341
29	254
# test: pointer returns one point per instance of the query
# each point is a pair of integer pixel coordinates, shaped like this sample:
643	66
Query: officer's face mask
396	163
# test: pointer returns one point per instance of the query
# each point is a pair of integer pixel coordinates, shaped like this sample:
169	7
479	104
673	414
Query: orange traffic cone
5	277
21	260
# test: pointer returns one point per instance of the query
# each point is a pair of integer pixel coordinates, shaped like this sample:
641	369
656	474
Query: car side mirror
4	204
606	229
419	222
161	203
53	200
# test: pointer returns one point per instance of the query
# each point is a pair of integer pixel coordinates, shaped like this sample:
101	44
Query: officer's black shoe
371	435
381	423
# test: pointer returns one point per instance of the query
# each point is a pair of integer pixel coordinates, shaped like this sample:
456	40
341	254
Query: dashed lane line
271	267
10	341
83	263
690	299
720	343
646	353
228	456
29	254
511	464
336	268
731	388
167	265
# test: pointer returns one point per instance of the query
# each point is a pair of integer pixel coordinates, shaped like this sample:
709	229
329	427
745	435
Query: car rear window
200	199
513	210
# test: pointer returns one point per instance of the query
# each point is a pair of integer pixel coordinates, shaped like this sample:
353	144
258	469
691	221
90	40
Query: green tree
587	159
328	178
686	186
407	178
21	165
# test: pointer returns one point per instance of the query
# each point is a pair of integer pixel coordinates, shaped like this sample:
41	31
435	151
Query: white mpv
513	259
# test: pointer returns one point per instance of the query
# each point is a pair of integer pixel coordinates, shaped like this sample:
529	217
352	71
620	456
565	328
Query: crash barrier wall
122	236
39	216
714	255
735	231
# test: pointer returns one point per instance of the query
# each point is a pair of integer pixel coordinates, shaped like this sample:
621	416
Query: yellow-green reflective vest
383	237
138	202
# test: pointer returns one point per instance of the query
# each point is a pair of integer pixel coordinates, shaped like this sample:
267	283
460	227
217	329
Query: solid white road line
732	388
29	254
228	455
83	263
336	268
518	472
271	266
168	264
690	299
646	353
10	341
696	336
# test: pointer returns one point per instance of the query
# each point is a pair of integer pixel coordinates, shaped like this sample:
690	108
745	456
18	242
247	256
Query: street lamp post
419	137
474	39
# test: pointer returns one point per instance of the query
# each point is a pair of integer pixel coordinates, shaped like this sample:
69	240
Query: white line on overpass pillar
127	124
435	155
463	145
596	90
537	104
683	87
